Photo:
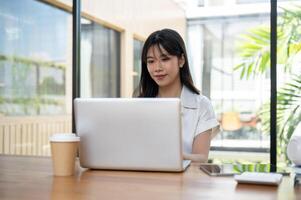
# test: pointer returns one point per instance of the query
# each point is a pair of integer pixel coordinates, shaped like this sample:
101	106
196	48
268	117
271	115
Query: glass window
100	60
32	66
234	55
288	78
35	63
237	100
138	45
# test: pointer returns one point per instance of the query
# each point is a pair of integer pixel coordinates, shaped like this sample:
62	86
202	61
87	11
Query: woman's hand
195	157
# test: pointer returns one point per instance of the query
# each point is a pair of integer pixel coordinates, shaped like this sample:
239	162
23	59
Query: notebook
130	133
259	178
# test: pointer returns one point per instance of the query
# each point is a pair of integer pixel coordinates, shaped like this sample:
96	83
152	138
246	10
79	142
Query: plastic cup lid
64	137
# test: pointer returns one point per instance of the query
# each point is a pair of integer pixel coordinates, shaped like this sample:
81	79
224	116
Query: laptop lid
129	133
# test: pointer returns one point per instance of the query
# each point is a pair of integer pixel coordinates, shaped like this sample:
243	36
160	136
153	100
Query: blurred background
228	43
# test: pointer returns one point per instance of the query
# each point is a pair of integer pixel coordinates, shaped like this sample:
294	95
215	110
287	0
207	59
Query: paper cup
63	150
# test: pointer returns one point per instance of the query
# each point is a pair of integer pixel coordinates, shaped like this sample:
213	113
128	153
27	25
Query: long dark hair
173	43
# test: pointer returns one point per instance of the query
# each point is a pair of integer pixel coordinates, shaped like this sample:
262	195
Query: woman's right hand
195	157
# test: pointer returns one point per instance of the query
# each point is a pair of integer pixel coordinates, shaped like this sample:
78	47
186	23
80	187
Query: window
100	60
138	45
288	76
35	71
234	55
236	100
33	58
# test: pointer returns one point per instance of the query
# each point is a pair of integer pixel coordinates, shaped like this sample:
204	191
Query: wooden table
31	178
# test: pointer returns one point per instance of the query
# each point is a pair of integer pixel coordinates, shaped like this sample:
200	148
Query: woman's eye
165	59
149	61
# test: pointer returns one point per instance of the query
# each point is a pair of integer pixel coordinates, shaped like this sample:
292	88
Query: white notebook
259	178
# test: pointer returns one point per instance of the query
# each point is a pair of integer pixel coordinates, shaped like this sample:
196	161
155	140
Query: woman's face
163	67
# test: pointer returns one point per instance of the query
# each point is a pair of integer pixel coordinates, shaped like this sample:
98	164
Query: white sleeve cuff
206	125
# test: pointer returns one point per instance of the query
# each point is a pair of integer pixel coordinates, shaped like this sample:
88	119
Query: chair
230	121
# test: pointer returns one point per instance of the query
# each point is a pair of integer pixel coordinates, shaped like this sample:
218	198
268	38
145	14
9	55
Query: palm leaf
254	51
288	111
254	46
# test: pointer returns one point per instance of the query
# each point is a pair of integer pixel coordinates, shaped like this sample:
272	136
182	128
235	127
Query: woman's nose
159	67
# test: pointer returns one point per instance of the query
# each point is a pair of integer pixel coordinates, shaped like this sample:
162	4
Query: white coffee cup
63	150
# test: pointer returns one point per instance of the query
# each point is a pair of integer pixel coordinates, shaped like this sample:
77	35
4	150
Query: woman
165	73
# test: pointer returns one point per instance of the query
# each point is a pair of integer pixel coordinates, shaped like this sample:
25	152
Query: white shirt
198	116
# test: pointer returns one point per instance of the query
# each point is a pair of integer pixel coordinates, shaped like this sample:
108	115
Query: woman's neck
170	91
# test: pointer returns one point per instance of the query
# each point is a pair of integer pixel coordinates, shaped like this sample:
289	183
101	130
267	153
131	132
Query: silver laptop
130	133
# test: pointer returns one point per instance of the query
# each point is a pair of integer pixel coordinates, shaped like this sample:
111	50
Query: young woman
165	73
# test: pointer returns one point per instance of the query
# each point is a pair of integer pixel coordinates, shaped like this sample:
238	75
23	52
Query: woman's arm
200	147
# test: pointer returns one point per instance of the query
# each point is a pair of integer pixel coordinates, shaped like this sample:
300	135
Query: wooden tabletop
31	178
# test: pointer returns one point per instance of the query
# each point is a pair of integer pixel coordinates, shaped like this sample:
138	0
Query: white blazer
198	116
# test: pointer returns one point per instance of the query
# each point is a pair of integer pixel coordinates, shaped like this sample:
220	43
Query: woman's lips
160	77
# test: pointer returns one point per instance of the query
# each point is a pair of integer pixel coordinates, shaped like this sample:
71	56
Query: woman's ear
181	61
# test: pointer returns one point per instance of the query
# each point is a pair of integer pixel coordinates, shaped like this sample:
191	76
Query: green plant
255	61
288	112
20	91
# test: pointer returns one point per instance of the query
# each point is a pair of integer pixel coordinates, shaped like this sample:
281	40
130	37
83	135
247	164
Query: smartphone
232	169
